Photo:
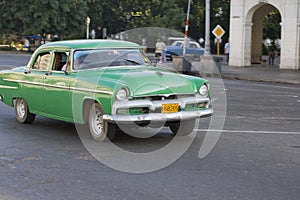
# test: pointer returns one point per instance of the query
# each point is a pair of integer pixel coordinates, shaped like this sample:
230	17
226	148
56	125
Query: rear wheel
183	128
22	112
99	129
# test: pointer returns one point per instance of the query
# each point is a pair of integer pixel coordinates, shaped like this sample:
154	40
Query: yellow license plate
169	108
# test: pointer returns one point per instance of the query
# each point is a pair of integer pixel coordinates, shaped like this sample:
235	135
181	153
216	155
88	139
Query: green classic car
103	83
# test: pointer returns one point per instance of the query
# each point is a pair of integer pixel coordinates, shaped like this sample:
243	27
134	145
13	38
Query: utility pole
207	28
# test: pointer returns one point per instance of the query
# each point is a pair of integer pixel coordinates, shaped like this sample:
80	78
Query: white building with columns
246	31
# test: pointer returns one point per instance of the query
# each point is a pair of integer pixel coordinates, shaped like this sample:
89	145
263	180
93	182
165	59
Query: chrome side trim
15	81
8	87
60	86
91	90
37	83
56	86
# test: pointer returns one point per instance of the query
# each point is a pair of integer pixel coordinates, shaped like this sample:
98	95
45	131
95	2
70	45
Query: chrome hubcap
97	122
21	108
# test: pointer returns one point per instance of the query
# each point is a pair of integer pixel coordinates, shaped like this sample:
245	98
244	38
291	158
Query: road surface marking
253	132
277	86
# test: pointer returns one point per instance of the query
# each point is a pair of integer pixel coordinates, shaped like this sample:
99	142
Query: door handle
48	73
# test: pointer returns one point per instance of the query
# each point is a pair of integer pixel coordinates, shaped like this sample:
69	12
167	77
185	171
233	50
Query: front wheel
183	128
22	112
99	129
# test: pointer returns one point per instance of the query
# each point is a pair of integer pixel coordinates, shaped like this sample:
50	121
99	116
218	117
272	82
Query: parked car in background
103	83
176	49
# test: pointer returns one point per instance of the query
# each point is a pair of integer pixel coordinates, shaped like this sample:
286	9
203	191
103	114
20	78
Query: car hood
144	80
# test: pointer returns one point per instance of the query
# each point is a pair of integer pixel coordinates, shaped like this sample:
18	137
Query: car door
57	95
192	49
33	84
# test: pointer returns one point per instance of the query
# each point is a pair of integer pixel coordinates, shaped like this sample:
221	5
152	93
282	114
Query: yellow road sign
218	31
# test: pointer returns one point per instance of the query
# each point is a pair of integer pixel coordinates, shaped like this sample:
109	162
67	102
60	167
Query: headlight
203	90
122	94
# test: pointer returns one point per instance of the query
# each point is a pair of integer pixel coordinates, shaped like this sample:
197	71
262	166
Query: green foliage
94	11
168	14
272	27
45	16
68	18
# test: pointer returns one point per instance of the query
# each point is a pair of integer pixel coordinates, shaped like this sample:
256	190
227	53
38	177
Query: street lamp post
207	63
207	27
88	21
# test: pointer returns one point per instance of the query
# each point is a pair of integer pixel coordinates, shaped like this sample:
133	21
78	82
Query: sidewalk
263	73
257	72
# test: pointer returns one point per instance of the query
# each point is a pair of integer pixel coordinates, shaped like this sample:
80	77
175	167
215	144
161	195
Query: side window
193	46
178	44
42	61
60	61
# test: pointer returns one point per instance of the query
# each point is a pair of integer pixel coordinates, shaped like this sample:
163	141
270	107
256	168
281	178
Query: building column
290	39
290	35
248	43
237	45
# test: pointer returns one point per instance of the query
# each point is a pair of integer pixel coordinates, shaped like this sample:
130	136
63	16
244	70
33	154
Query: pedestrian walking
159	50
227	50
271	55
93	34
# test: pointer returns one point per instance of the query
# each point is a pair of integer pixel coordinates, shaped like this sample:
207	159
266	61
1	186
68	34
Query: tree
95	12
67	18
168	14
44	16
118	16
219	14
272	28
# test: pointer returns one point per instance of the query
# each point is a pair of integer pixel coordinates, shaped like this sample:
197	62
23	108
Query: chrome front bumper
153	106
158	117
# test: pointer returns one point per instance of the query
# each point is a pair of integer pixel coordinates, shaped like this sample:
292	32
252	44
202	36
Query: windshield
87	59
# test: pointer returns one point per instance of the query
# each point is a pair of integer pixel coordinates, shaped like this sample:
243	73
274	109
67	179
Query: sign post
218	32
186	28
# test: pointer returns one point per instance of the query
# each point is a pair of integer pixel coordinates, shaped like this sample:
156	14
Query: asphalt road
8	61
257	156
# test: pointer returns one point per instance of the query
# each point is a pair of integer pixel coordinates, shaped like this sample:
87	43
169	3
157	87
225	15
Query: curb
237	77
